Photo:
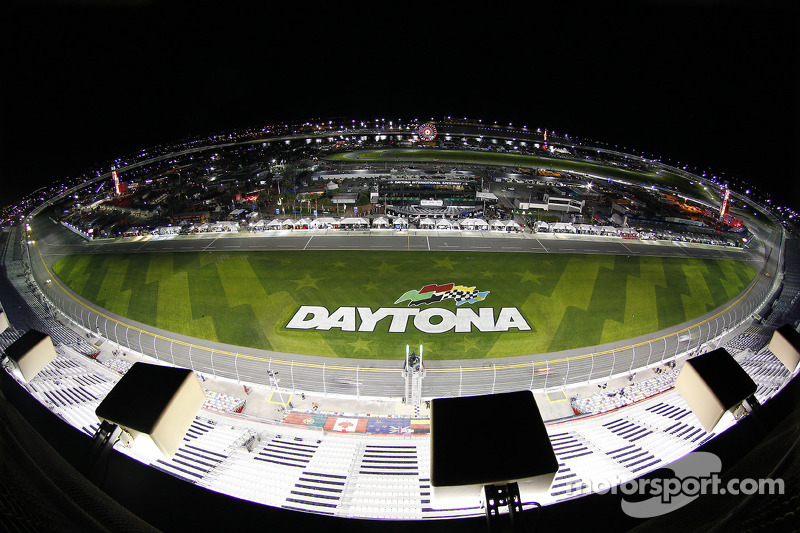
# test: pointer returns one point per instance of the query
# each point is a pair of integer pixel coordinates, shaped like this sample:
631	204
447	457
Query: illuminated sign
427	132
431	203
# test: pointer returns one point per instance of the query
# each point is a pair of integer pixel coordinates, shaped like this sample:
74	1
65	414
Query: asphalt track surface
383	378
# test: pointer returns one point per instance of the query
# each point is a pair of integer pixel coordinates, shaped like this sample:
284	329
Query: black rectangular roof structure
156	402
30	353
488	439
785	345
712	384
20	347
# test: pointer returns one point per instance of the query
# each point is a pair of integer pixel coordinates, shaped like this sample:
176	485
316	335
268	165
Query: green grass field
247	298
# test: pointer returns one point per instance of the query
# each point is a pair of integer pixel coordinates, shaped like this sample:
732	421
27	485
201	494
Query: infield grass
247	298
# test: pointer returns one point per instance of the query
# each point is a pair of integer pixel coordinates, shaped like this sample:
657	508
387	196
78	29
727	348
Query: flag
305	419
388	426
346	425
433	293
420	426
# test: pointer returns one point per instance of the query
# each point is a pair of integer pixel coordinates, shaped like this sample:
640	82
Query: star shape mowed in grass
360	344
468	344
445	263
529	276
386	268
307	281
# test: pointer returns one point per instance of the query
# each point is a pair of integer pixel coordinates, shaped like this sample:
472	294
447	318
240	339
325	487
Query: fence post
613	362
633	358
533	374
212	363
547	373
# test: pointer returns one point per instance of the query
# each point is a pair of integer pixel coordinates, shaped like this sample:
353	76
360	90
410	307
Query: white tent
325	222
481	224
563	227
354	222
274	224
287	224
427	223
303	223
497	224
225	225
400	223
380	222
467	223
258	226
587	229
513	226
443	223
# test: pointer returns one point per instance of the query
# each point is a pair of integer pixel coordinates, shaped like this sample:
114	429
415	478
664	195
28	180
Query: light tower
725	207
116	181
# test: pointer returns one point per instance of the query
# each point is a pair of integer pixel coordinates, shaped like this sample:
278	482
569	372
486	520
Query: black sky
705	83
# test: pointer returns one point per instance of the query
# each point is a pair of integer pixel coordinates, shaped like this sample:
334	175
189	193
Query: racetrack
325	302
373	378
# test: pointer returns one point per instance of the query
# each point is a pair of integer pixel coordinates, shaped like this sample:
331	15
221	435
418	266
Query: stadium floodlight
29	354
785	345
470	463
713	384
154	406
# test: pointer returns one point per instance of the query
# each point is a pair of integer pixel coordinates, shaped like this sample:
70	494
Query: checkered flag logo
460	295
436	293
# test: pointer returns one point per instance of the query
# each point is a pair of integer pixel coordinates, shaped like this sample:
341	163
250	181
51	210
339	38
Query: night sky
702	83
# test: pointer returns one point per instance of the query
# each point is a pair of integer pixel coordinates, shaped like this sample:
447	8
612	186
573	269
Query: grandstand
361	475
785	310
626	417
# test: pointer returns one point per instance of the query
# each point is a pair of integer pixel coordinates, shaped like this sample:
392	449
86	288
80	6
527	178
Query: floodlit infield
248	298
